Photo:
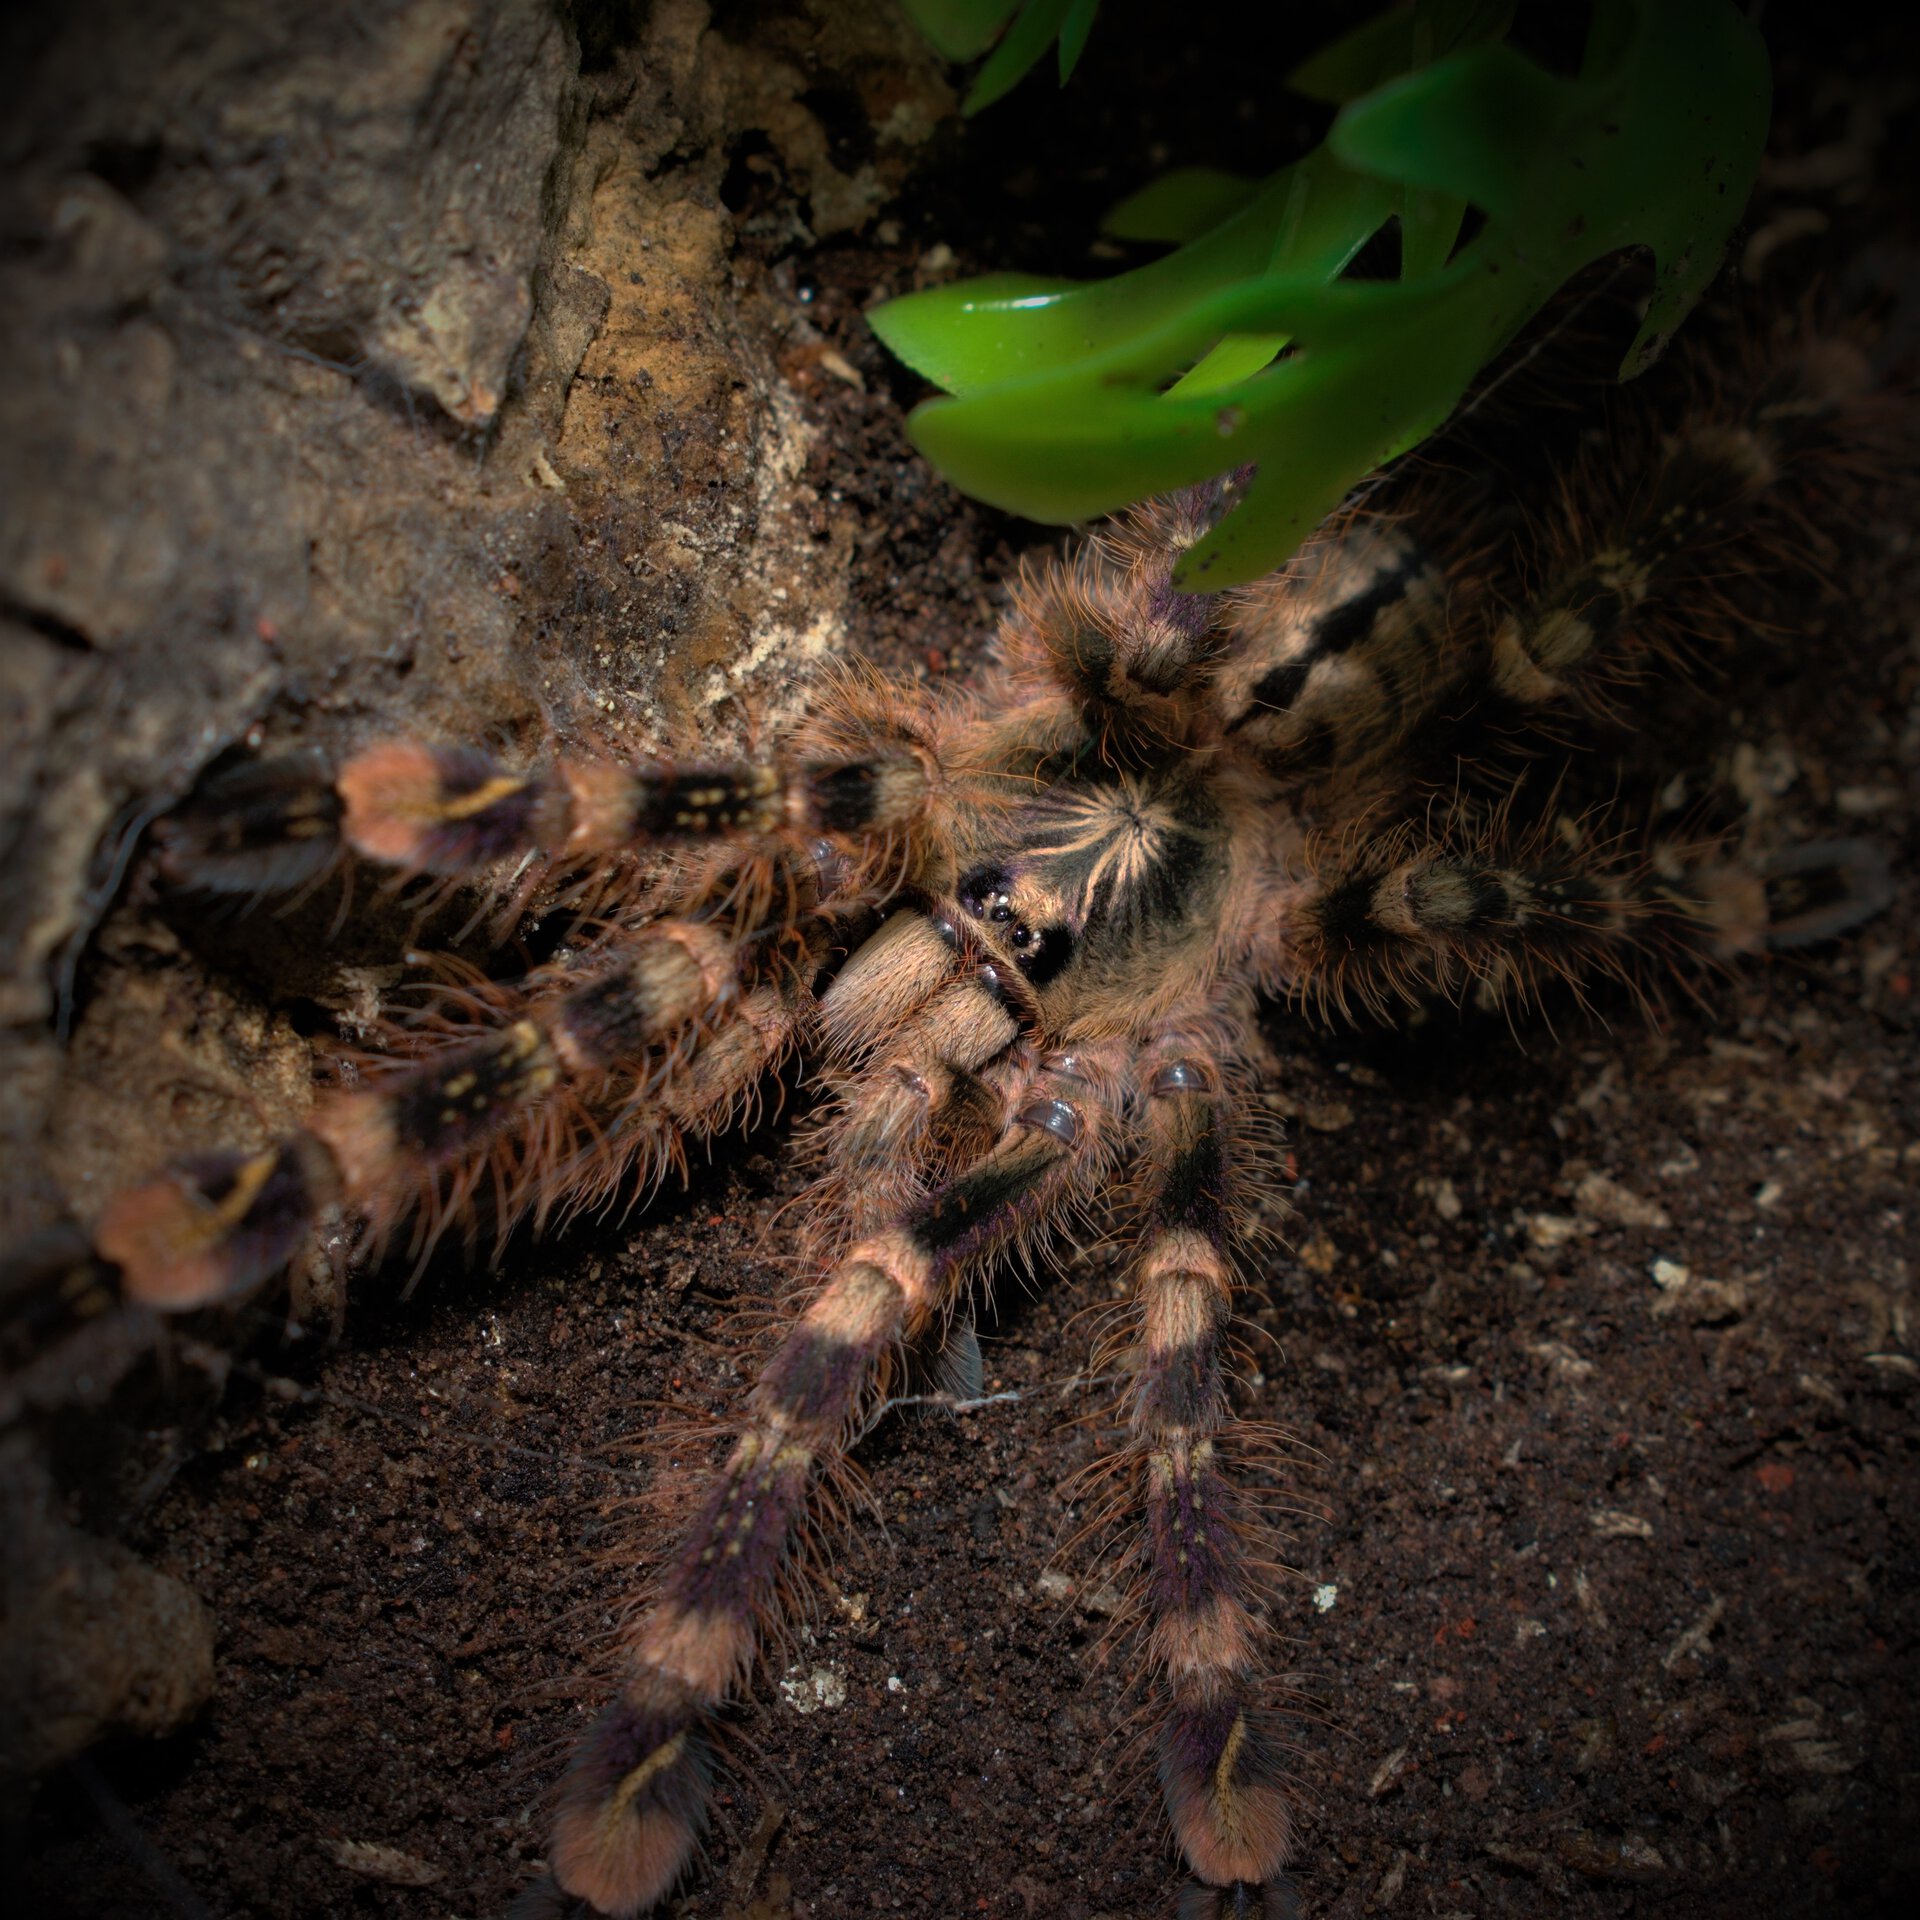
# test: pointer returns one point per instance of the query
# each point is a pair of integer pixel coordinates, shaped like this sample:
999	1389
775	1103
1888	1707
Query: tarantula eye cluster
1233	795
1040	952
985	894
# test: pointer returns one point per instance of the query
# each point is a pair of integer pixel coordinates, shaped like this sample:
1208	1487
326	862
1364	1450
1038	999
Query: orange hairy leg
1176	1496
865	774
634	1802
557	1088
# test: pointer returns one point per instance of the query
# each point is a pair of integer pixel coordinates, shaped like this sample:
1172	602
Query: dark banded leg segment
1597	625
215	1228
519	1095
262	827
1580	635
1202	1555
1438	922
633	1805
1339	659
452	811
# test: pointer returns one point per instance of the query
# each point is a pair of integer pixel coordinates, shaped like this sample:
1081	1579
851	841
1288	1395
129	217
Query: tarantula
1024	928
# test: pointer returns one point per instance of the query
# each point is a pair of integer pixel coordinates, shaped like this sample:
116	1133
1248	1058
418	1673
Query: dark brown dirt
1600	1338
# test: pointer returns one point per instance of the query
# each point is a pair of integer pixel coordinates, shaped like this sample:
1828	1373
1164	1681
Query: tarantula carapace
1024	929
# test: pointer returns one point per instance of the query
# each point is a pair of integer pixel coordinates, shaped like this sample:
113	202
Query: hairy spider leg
647	1034
537	1085
1354	652
1335	660
450	810
633	1803
1106	628
1409	918
1204	1555
263	827
865	773
1602	619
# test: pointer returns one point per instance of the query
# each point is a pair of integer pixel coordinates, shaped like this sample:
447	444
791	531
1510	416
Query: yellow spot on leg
490	793
656	1763
1223	1781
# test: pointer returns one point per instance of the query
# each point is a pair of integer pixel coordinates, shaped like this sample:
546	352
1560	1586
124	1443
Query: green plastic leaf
1401	41
1004	329
1429	225
965	29
1237	356
1070	400
1073	35
1034	30
1180	206
959	29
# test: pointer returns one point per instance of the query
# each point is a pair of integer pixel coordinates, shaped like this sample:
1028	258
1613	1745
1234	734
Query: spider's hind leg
1415	917
1638	556
1359	661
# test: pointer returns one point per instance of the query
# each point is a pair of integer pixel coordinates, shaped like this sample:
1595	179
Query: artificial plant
1024	29
1246	344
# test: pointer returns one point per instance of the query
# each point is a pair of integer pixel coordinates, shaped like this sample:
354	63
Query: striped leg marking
1435	921
633	1805
588	1032
1220	1771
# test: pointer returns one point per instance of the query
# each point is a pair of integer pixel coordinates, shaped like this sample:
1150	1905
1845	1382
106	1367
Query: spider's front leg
868	774
1203	1556
558	1088
634	1803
